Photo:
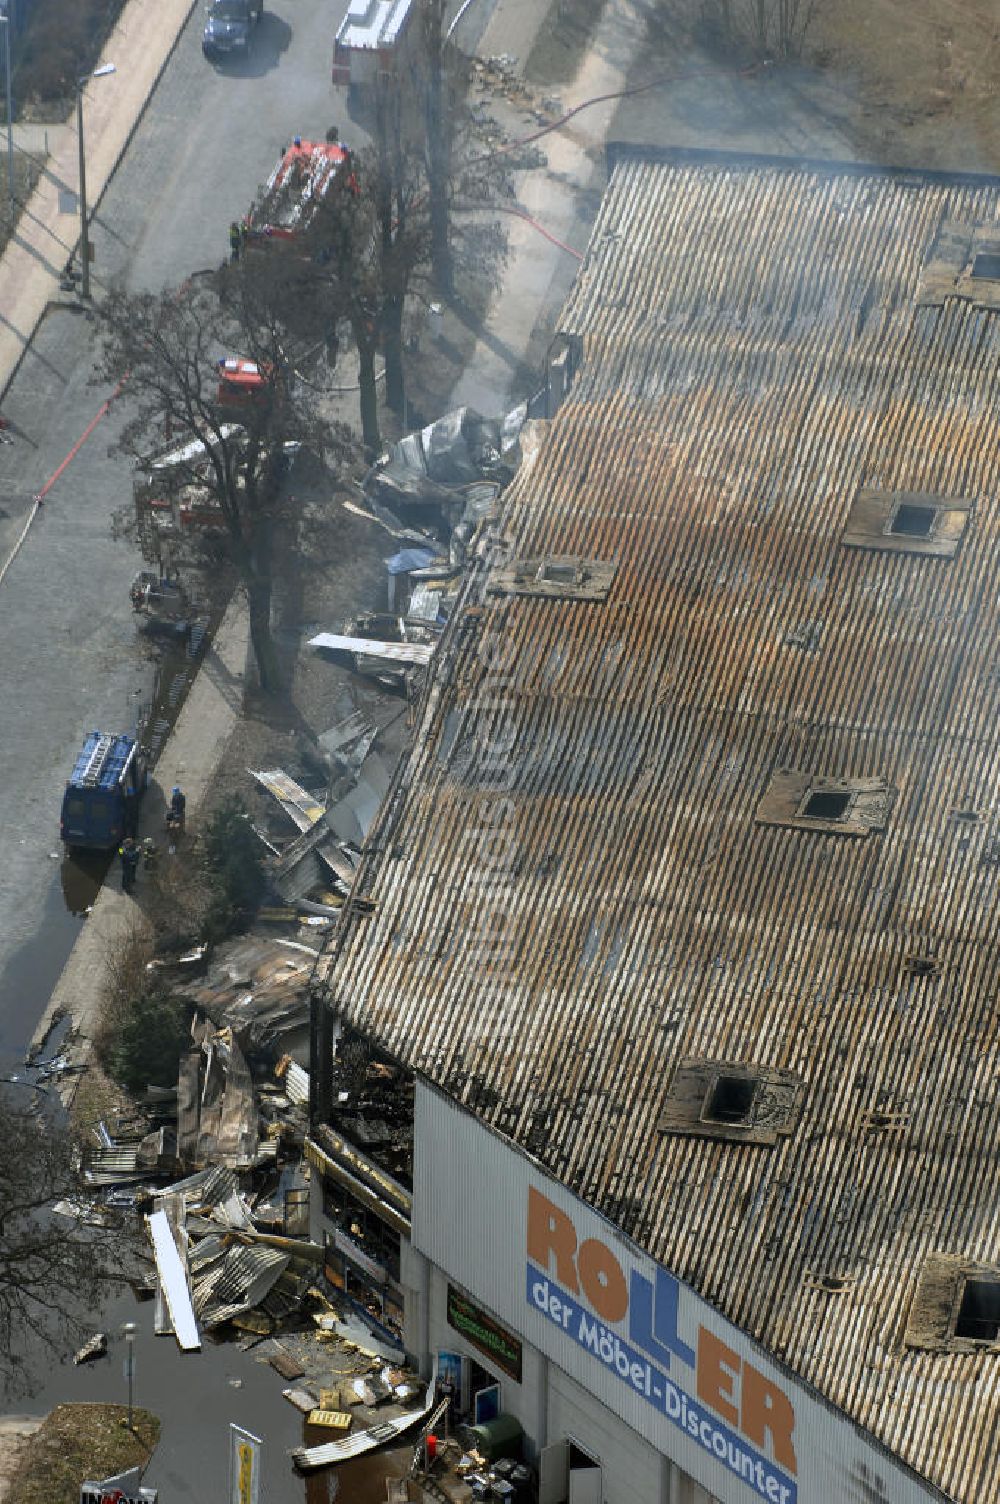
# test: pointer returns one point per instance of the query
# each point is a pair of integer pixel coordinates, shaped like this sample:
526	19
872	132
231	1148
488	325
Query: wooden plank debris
284	1364
301	1399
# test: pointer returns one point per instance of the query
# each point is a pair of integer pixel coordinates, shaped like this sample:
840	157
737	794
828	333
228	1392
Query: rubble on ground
96	1347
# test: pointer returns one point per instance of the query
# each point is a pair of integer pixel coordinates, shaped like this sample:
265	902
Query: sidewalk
34	140
550	195
189	758
15	1430
34	259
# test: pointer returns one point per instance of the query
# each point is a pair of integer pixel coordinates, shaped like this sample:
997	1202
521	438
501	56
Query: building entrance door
585	1476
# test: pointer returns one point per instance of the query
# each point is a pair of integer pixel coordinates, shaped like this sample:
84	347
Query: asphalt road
69	655
70	658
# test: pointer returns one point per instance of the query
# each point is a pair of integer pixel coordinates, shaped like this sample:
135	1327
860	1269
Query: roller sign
586	1302
630	1324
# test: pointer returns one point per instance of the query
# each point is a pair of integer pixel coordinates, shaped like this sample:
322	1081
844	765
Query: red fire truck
307	173
240	381
371	42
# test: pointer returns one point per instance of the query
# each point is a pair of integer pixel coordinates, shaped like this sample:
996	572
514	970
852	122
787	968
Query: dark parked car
229	28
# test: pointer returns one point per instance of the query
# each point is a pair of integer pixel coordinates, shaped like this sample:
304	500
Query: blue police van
101	803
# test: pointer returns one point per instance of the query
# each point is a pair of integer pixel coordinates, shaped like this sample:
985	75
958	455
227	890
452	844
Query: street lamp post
84	227
5	18
130	1329
84	232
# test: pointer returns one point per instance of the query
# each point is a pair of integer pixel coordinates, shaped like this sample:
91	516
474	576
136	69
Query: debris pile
257	988
434	467
217	1262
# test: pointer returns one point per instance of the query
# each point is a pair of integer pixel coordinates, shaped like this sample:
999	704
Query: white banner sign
244	1466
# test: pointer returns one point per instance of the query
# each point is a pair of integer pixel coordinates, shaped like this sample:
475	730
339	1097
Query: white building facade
632	1389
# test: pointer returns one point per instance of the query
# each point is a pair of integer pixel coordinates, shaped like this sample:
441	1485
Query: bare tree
337	278
389	225
432	82
356	259
436	64
52	1271
168	348
405	220
773	28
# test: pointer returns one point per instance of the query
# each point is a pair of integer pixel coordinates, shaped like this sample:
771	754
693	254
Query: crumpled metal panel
237	1282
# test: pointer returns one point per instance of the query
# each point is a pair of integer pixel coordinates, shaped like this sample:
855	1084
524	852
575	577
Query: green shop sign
485	1333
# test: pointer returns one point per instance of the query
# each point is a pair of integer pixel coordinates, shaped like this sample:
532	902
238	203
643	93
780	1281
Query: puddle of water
359	1481
195	1397
82	876
27	980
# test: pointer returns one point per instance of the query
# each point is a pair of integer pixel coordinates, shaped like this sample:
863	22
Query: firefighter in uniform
129	853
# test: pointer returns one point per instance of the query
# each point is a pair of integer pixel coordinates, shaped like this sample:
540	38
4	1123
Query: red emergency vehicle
307	173
240	381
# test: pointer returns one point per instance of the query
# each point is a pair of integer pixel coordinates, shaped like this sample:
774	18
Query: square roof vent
730	1099
912	520
956	1306
963	262
908	522
563	576
750	1104
832	806
986	267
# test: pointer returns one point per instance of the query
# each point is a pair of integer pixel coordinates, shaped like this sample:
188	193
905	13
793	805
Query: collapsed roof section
434	465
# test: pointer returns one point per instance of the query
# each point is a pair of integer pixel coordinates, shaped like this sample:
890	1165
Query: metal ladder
95	763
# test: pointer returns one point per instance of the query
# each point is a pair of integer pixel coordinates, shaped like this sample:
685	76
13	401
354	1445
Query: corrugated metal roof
113	1166
569	891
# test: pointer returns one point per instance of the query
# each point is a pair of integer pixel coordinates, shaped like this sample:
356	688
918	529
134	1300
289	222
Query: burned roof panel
568	889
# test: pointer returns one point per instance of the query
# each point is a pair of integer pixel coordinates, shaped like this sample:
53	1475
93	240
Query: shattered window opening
978	1316
730	1099
911	521
826	804
986	266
